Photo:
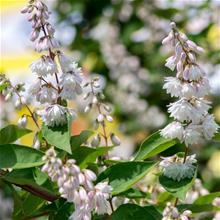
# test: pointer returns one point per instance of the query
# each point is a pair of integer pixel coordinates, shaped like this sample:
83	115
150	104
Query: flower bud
87	108
24	10
100	118
22	122
96	141
18	104
94	100
36	142
115	140
109	118
8	96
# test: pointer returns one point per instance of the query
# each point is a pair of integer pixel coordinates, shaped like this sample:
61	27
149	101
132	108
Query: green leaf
217	137
198	208
135	212
58	136
19	156
134	193
32	203
64	211
153	145
3	86
177	189
11	133
123	176
78	140
206	199
164	197
85	155
24	179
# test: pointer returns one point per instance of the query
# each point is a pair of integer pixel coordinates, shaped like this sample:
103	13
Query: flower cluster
77	186
15	93
178	168
171	213
95	97
58	77
195	192
192	122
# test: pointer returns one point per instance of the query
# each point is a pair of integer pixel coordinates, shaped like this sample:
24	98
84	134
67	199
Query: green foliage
58	136
85	155
19	157
206	199
134	194
198	208
134	212
123	176
153	145
177	189
217	137
11	133
78	140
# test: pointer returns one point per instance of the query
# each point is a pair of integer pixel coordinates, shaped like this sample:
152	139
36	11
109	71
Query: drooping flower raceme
94	96
192	122
76	186
65	73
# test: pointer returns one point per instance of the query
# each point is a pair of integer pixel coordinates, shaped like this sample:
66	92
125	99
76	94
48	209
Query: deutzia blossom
195	192
44	66
77	186
100	197
177	169
173	86
46	95
171	213
209	126
181	110
54	115
193	134
173	130
190	85
71	82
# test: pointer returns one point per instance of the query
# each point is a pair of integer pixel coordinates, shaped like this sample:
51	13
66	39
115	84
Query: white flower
65	62
193	134
54	115
100	197
209	127
171	63
44	66
82	212
173	130
202	87
46	95
216	202
71	85
195	73
196	191
173	86
181	110
96	141
175	168
115	139
22	122
34	88
188	90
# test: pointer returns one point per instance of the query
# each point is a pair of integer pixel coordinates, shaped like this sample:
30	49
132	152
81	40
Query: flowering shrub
74	177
